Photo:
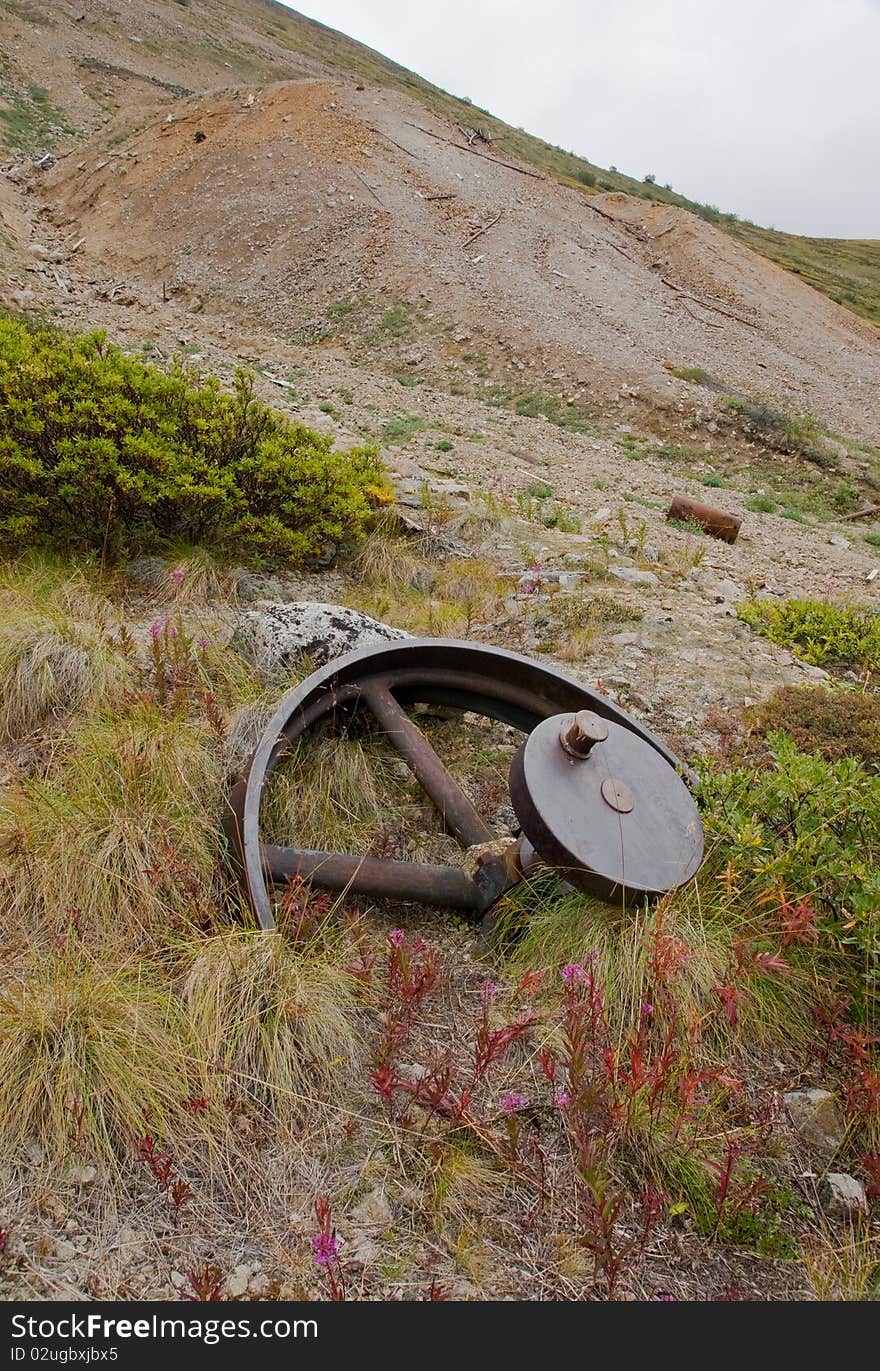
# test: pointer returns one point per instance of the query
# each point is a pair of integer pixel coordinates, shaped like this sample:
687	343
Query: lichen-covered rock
278	636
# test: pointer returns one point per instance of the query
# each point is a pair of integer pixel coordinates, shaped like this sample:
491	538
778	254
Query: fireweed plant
638	1111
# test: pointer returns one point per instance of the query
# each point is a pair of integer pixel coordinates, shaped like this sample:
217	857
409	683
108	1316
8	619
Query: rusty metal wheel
597	795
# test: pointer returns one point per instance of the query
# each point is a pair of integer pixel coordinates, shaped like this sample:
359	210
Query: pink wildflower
325	1248
396	937
512	1102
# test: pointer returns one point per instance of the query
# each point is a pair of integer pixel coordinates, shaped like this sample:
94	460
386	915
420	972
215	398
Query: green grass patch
28	120
555	409
698	375
799	435
401	427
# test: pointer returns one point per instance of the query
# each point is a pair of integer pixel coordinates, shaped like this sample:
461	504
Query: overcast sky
769	108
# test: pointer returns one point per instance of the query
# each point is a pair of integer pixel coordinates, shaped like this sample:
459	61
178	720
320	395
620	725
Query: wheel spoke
455	809
378	878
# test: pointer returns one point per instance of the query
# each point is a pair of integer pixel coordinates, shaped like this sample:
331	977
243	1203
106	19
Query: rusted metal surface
714	521
585	728
579	737
617	822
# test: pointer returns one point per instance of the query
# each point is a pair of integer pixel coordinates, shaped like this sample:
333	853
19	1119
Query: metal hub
596	793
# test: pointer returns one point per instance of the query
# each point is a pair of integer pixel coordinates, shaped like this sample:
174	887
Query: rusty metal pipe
712	521
375	877
455	809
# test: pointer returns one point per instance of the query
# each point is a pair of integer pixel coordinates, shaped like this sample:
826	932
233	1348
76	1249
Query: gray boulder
277	636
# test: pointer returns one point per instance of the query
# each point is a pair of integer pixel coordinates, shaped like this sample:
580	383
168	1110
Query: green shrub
807	828
836	723
820	632
104	452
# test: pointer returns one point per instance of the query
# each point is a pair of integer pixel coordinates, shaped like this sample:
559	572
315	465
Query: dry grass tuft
464	1182
388	559
57	655
331	794
87	1049
279	1018
188	576
458	596
695	932
51	668
123	834
843	1264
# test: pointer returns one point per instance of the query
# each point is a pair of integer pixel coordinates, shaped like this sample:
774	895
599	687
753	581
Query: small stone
634	575
77	1174
148	571
374	1210
815	673
838	540
251	586
712	427
278	635
237	1282
843	1196
601	515
33	1152
131	1237
64	1250
423	579
816	1116
726	590
362	1250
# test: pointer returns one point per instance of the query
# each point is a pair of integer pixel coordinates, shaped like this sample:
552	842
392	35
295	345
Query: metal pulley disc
598	802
